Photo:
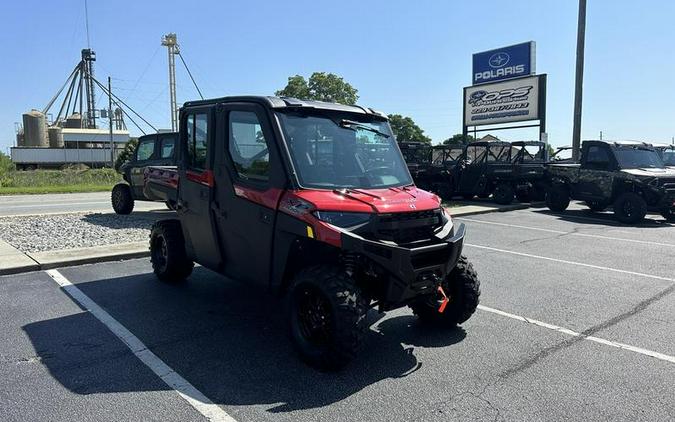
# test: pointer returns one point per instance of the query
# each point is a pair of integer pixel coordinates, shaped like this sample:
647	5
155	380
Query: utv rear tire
327	316
167	252
523	196
669	215
596	206
122	199
503	194
463	289
557	198
630	208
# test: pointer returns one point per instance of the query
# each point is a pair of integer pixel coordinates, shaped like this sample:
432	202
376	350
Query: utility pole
170	41
601	135
579	80
110	124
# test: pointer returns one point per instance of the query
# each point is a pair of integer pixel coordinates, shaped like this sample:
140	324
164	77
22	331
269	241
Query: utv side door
474	168
166	147
146	151
250	179
196	185
596	177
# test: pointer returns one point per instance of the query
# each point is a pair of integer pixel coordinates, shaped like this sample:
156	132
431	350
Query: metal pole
579	80
110	124
170	41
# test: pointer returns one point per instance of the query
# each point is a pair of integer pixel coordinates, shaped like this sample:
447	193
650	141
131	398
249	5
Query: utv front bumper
411	271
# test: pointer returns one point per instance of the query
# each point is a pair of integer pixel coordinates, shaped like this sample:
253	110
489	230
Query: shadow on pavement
229	341
585	216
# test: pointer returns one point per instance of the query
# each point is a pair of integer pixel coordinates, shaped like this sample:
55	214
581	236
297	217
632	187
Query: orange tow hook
445	301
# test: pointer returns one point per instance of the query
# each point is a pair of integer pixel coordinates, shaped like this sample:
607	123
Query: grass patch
58	181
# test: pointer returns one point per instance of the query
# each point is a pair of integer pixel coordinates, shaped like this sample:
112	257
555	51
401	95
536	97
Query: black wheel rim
160	253
628	208
313	313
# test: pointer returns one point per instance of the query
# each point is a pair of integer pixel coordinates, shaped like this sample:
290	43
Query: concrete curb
13	261
481	209
70	257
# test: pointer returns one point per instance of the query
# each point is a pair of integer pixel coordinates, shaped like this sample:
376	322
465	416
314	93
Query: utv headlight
343	219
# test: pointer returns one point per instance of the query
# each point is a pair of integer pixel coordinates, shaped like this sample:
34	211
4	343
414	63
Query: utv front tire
462	288
503	194
669	215
167	252
630	208
327	315
557	198
122	199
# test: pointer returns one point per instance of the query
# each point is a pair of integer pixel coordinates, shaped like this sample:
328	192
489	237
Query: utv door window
597	158
166	145
145	149
475	154
197	135
248	146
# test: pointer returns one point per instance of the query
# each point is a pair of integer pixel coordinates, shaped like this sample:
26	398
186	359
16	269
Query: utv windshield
635	158
334	151
669	157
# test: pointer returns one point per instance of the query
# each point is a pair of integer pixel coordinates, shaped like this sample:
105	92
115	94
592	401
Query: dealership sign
502	102
510	62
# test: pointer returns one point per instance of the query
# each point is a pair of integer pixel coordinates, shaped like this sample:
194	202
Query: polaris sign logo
504	63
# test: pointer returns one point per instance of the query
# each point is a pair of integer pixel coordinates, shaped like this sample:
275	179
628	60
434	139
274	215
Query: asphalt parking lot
577	322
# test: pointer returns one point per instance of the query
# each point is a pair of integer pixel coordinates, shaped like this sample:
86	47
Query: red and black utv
312	200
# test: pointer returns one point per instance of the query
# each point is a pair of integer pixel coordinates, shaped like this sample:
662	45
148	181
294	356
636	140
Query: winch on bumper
412	271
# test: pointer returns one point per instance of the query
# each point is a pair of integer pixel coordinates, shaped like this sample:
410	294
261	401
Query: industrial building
72	136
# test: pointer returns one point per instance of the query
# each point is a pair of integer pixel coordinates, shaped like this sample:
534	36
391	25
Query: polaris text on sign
510	62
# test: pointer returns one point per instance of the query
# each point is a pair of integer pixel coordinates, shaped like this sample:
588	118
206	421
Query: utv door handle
219	211
265	217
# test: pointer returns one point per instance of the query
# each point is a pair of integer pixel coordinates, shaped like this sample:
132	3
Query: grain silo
55	137
35	129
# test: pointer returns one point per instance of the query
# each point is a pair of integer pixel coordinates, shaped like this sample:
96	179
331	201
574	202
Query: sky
405	57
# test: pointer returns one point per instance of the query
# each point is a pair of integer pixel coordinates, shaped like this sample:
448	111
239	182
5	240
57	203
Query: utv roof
489	143
621	143
664	146
288	103
523	143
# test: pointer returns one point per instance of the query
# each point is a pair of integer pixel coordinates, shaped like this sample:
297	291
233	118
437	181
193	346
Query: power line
125	105
190	74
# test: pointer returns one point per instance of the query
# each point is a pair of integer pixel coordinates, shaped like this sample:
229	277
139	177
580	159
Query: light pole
579	80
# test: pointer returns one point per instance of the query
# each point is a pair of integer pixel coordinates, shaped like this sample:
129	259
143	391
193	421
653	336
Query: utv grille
668	185
407	227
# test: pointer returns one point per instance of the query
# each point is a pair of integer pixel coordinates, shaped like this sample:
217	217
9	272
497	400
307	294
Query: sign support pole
579	80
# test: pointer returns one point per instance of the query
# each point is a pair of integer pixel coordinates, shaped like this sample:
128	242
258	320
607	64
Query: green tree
459	139
406	130
126	154
6	167
321	86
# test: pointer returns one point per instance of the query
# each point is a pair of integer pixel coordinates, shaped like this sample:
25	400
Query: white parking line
569	332
187	391
579	264
597	236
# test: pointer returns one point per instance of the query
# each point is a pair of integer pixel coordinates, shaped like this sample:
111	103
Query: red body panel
371	200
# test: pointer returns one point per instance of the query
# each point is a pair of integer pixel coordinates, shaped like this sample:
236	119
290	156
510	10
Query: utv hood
388	200
651	172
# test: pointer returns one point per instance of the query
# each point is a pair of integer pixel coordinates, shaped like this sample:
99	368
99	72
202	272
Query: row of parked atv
632	178
503	170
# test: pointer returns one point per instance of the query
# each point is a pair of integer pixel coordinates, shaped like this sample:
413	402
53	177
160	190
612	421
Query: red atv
312	200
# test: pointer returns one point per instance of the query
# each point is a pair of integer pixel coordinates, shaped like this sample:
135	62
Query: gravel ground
65	231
